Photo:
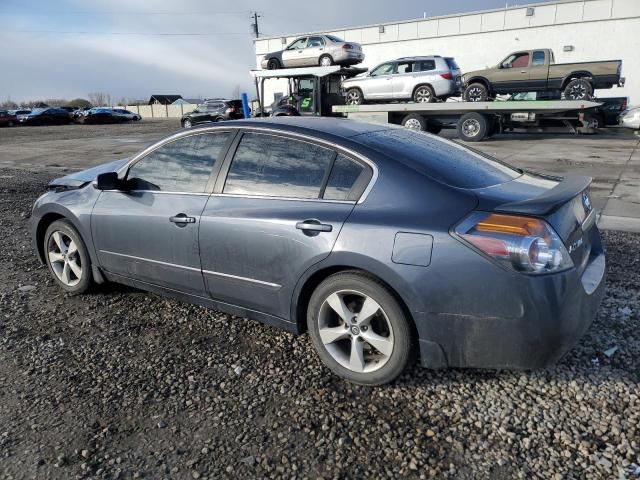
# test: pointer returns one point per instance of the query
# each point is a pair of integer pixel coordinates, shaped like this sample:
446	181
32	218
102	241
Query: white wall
161	111
597	29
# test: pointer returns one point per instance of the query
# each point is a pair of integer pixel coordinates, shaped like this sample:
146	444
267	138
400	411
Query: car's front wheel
273	64
67	257
476	92
326	61
359	329
354	96
186	123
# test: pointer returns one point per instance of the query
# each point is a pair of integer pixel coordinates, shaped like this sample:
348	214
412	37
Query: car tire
413	121
67	257
476	92
273	64
371	351
473	127
424	94
579	89
187	123
354	97
594	121
325	61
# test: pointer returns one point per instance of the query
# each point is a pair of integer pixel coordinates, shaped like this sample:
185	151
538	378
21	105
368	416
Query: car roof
338	127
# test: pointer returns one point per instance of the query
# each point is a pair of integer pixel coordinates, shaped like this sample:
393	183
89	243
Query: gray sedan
323	50
377	240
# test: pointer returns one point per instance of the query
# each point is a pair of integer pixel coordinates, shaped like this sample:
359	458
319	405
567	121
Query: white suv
421	79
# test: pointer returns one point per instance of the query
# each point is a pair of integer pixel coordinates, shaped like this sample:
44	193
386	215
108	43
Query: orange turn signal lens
513	225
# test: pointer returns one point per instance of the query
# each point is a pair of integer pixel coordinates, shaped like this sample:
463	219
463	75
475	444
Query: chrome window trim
285	133
268	197
193	269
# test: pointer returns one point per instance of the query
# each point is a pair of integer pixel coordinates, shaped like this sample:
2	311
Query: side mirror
107	181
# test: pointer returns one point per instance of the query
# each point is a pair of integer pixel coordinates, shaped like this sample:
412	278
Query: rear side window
443	160
451	63
277	167
538	58
183	165
425	65
344	175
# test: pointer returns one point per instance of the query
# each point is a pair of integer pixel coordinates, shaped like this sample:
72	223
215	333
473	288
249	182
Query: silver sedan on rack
323	50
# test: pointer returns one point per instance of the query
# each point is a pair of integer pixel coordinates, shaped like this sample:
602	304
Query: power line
40	13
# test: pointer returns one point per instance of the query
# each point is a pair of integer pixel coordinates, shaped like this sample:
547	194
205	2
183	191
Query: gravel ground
125	384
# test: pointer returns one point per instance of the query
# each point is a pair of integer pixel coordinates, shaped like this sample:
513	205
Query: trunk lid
563	203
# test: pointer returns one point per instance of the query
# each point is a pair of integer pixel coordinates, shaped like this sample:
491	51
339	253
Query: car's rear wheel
354	96
578	89
186	123
326	61
359	329
273	64
473	127
424	94
476	92
67	257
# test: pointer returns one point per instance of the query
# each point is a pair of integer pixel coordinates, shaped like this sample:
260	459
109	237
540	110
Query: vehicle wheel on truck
326	61
594	121
413	121
273	64
473	127
424	94
354	96
579	89
476	92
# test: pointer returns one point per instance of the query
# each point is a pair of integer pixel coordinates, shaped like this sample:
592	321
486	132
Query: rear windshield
334	38
443	160
235	103
451	63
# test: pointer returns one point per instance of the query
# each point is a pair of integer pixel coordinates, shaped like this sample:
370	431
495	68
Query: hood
79	179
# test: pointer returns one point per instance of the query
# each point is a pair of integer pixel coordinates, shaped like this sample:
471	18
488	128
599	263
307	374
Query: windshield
443	160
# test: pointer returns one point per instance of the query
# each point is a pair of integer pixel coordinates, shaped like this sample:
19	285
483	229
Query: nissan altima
376	240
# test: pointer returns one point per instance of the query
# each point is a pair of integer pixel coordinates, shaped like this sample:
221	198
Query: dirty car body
493	266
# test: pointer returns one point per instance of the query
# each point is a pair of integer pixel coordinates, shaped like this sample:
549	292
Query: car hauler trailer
476	121
318	91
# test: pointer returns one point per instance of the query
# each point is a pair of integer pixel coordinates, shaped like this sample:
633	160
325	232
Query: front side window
343	177
277	167
298	44
384	69
183	165
518	60
538	58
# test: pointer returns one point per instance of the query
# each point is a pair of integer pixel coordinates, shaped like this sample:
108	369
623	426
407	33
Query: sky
131	49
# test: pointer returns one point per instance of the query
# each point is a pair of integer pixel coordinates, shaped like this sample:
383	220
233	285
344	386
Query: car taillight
446	76
524	244
347	46
623	106
230	110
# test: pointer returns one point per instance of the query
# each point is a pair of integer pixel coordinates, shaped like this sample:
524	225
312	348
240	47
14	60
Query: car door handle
313	226
182	218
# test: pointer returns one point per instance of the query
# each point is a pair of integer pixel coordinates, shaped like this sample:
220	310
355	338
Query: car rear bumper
553	320
348	57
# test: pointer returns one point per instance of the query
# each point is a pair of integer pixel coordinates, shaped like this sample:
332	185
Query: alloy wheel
423	95
353	98
355	331
325	62
64	258
577	92
475	94
187	123
413	124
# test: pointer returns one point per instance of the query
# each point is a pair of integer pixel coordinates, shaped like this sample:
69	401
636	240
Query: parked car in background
96	116
213	111
7	119
421	79
631	118
20	113
127	114
475	263
536	70
47	116
323	50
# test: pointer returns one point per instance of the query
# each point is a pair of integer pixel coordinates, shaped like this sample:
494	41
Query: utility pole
254	25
